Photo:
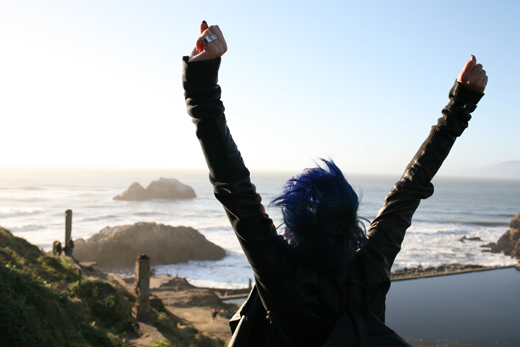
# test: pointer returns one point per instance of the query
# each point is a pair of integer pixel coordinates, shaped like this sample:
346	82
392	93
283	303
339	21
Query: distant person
324	282
57	248
69	248
214	313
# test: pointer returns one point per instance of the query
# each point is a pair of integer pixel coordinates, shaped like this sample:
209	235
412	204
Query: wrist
197	74
462	92
463	96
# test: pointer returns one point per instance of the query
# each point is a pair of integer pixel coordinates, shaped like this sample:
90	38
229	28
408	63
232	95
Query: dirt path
192	306
200	317
146	337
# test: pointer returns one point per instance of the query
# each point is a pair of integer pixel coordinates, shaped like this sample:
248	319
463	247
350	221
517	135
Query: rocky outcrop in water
164	188
509	243
465	238
118	247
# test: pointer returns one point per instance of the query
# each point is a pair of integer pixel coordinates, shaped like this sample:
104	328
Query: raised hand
210	44
473	76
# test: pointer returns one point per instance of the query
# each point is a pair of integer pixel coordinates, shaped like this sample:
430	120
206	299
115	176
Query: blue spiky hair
319	210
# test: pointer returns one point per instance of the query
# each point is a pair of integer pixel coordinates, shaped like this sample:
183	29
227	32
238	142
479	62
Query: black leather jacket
292	304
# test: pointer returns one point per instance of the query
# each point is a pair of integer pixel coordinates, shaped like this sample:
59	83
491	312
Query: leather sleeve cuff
199	74
464	96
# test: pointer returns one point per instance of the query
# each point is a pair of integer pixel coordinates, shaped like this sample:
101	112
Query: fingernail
473	57
204	22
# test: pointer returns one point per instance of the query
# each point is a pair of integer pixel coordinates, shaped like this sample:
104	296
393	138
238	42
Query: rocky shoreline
509	243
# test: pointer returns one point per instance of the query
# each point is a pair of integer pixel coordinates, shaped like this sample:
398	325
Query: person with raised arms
324	281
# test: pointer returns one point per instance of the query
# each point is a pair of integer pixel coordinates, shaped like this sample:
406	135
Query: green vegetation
106	304
44	303
37	307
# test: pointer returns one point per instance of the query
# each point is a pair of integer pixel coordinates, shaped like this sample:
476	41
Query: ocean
33	203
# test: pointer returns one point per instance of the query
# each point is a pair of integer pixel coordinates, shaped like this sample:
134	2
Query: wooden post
142	288
249	285
68	225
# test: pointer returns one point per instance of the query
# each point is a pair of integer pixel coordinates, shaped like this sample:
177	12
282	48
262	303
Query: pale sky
98	83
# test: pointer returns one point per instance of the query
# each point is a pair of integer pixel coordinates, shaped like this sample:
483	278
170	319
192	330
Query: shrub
106	304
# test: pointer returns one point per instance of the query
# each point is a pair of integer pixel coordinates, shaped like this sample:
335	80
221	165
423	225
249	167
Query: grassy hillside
43	304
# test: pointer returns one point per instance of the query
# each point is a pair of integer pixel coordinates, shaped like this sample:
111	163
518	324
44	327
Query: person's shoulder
370	263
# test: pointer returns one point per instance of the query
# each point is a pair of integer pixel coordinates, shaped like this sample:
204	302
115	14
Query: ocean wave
443	212
29	227
508	215
434	247
200	213
448	232
459	222
478	213
98	219
15	212
490	224
150	213
217	284
439	232
97	205
21	199
192	214
233	271
224	227
32	188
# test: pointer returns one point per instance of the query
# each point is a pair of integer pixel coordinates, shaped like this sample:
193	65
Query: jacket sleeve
229	176
386	233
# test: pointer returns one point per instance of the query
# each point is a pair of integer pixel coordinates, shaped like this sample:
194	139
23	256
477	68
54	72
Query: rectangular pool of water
479	306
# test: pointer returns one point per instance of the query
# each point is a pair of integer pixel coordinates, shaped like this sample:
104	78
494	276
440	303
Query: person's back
324	282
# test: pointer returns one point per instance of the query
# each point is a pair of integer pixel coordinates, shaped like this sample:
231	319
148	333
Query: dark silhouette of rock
118	247
164	188
492	247
509	243
464	238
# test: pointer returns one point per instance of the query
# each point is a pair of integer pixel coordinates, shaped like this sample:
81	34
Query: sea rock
464	238
509	243
164	188
119	247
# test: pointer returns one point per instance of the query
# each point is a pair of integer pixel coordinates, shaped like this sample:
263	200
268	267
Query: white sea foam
231	272
151	213
6	212
434	244
101	218
30	227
